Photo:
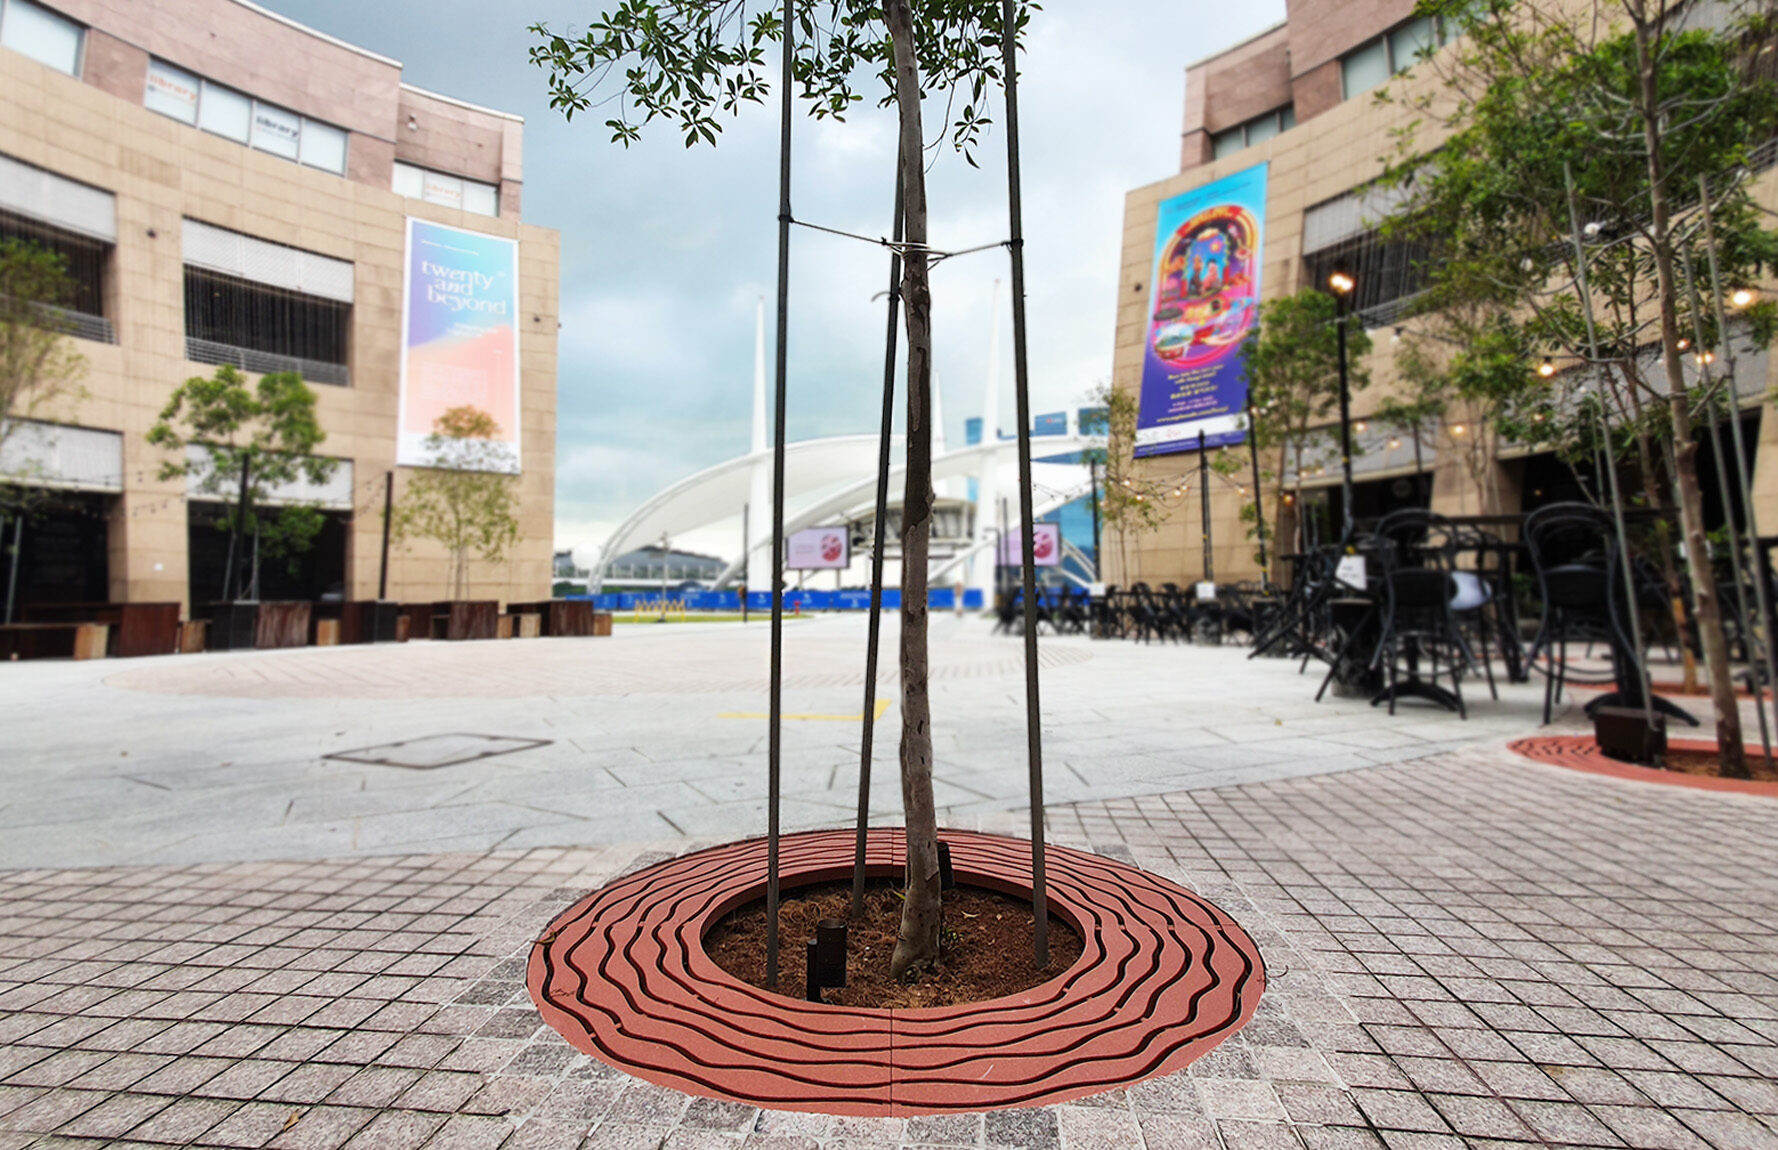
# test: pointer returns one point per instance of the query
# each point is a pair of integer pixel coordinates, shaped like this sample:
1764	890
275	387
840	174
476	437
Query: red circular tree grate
1582	753
1164	977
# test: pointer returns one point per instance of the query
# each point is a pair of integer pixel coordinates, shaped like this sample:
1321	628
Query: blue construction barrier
937	599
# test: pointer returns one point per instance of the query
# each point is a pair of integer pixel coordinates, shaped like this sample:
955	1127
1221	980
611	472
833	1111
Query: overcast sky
666	251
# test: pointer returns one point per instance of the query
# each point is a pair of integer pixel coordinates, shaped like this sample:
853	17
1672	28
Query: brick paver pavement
1463	950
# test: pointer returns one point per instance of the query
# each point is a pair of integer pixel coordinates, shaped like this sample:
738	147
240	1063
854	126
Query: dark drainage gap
434	751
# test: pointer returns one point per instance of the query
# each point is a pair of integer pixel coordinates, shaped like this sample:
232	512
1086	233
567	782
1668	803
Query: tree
1558	117
255	439
685	62
463	498
1293	383
1128	503
39	367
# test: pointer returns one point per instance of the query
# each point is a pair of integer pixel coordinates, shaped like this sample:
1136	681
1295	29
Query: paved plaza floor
214	934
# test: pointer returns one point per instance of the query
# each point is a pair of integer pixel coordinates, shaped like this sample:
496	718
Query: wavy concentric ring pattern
1164	977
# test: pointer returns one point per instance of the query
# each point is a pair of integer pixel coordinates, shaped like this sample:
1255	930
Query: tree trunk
1651	490
1732	754
917	947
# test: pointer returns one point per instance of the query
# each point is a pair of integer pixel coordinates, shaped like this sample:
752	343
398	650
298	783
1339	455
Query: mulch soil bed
986	946
1709	764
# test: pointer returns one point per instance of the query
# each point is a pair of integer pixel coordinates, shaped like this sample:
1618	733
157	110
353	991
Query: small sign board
1206	592
1351	572
819	549
1046	547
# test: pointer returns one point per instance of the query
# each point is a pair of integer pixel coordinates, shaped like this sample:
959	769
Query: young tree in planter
1293	383
1128	503
1605	117
39	367
686	62
464	497
256	439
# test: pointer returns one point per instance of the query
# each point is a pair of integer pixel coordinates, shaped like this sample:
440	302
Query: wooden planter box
602	624
193	636
233	626
419	620
263	626
453	619
369	621
135	628
53	641
559	617
466	619
282	625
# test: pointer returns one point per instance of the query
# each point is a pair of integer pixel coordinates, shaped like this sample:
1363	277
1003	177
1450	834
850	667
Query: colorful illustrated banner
1046	547
819	549
459	337
1203	300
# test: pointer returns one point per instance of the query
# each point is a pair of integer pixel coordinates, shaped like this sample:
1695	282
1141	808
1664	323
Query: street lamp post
1342	285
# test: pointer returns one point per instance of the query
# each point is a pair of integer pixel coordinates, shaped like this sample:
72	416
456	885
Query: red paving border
1164	977
1582	753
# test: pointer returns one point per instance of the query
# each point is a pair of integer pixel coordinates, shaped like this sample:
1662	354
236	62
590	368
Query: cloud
666	249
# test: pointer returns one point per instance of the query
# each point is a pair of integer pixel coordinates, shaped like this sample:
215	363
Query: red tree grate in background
1582	753
1164	977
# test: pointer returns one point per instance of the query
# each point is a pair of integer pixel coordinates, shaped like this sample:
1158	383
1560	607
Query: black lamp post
1342	284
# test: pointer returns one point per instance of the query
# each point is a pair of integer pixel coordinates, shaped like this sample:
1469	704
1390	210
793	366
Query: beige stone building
1300	98
232	187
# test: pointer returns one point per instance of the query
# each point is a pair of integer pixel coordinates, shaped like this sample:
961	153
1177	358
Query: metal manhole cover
437	751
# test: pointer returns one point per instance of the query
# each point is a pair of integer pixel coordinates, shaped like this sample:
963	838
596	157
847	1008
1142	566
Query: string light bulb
1547	368
1361	426
1394	443
1742	297
1341	283
1684	344
1456	429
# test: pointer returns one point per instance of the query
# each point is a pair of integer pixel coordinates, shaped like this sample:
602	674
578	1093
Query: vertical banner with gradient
1203	300
459	336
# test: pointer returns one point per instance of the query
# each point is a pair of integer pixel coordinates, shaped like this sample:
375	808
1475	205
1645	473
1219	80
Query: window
1364	69
447	190
225	112
1388	272
83	257
171	92
233	314
323	146
47	37
1262	127
264	306
1388	55
1411	41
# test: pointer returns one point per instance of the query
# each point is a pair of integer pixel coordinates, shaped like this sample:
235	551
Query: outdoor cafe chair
1419	590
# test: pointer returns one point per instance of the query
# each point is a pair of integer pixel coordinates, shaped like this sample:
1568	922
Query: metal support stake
876	560
1340	320
775	731
1204	506
228	571
1022	389
388	514
12	571
1736	555
1259	507
1617	502
1762	594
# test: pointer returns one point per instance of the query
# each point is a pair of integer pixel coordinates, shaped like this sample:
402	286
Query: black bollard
830	952
814	975
947	879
